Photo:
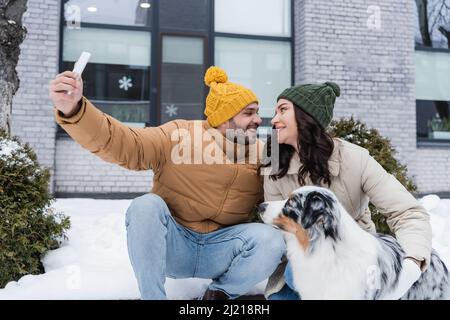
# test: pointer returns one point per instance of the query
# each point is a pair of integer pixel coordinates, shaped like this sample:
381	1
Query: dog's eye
320	220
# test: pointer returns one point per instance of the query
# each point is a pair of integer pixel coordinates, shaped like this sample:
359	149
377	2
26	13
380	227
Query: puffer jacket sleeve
114	142
406	217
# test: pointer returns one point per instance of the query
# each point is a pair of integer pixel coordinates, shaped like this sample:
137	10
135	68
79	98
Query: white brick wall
77	170
431	169
375	70
32	117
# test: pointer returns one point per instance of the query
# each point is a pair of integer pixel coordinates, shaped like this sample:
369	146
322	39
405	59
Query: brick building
149	58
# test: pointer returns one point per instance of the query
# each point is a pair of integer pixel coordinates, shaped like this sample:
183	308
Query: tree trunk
12	33
445	33
422	11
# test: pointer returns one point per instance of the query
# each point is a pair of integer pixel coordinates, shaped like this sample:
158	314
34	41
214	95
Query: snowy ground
94	264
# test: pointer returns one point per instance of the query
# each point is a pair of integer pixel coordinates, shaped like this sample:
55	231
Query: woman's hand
408	276
289	225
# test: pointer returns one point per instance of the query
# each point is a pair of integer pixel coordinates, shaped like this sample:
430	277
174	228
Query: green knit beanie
317	100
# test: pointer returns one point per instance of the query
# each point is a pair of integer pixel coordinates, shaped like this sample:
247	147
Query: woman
308	155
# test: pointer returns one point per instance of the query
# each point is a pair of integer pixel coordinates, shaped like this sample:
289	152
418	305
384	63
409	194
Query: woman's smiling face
285	123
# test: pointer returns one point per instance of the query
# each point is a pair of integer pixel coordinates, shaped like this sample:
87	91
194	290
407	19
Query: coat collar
333	162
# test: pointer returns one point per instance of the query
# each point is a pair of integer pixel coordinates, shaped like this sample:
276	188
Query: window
432	61
117	77
252	16
186	15
113	12
433	75
264	66
118	35
185	27
433	95
182	88
149	56
255	53
433	23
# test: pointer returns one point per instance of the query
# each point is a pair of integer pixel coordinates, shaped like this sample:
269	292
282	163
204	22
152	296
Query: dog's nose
261	207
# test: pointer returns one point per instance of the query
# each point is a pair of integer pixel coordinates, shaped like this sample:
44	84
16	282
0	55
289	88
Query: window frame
149	28
206	59
422	142
157	34
290	39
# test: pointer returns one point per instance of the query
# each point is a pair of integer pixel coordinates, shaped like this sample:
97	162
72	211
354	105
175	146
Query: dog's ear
294	206
261	208
319	209
314	209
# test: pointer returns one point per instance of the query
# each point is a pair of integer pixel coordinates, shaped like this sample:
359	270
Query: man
194	223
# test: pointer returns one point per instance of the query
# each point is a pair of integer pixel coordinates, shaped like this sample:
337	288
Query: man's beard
241	136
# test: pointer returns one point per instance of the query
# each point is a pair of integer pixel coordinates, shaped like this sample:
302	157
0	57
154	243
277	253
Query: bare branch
438	17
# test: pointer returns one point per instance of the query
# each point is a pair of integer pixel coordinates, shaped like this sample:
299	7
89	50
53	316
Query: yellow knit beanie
225	99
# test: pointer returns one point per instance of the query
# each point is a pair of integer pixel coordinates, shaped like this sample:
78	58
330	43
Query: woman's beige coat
356	179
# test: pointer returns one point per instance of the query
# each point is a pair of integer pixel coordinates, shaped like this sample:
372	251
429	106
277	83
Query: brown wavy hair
315	149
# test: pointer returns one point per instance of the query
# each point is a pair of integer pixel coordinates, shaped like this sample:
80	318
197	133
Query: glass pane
118	12
263	66
182	88
117	78
252	16
433	119
432	23
108	46
182	50
432	75
184	15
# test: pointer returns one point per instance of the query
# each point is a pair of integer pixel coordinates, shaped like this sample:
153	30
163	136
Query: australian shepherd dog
341	260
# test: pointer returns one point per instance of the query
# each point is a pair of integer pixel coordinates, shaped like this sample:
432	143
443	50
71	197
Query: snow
93	263
440	224
7	147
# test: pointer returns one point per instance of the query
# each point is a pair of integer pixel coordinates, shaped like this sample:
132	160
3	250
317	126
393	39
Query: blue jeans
236	258
287	292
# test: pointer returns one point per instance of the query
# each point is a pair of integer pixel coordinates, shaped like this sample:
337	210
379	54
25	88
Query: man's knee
147	208
268	239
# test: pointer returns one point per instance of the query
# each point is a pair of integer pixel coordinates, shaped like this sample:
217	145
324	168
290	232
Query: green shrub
381	149
29	227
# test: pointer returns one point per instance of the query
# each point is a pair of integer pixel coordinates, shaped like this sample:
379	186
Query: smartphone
81	64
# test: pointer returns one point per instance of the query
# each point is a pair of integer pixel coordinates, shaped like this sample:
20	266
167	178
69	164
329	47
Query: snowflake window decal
171	110
125	83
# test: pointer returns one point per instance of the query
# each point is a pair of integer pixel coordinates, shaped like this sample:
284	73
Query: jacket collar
333	162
